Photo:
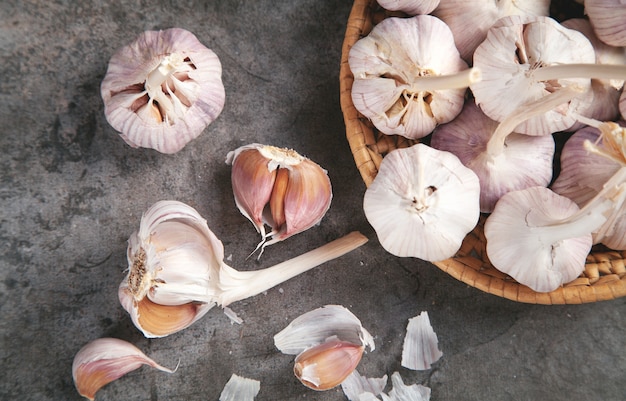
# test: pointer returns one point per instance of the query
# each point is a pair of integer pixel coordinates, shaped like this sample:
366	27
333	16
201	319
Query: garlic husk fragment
329	343
355	385
608	18
525	59
422	203
420	349
280	188
240	389
105	360
162	90
176	270
400	392
411	7
408	76
470	20
328	364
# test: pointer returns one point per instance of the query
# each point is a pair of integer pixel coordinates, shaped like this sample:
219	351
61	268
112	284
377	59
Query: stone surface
72	192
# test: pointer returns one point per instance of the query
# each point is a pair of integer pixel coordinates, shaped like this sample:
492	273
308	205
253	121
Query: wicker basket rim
604	277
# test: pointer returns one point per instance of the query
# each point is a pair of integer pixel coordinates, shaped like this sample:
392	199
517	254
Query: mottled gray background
72	192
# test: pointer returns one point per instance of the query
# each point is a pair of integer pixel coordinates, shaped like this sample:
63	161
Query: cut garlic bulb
420	348
176	270
105	360
162	90
278	187
329	342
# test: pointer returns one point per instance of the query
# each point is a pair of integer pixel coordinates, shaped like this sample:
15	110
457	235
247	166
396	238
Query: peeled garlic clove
326	365
105	360
280	188
162	90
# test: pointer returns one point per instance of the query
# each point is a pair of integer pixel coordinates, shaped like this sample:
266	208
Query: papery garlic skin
327	365
240	389
162	90
355	385
422	203
105	360
278	187
411	7
608	18
389	66
420	348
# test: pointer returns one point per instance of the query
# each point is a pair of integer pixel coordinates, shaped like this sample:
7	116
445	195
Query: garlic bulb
408	76
278	187
329	342
162	90
105	360
176	270
608	18
422	203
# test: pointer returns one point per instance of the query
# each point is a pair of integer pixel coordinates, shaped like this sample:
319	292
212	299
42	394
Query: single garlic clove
105	360
280	188
326	365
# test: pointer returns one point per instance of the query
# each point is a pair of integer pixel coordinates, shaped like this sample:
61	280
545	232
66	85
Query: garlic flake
420	348
240	389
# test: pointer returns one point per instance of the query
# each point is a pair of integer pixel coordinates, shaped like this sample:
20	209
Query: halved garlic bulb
176	270
329	342
105	360
162	90
278	187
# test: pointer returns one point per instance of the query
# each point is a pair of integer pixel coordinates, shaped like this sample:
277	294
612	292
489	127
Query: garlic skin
105	360
327	365
422	203
176	270
162	90
240	389
280	188
355	385
420	348
409	76
608	18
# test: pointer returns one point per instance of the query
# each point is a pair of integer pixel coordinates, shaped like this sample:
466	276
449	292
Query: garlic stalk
105	360
176	270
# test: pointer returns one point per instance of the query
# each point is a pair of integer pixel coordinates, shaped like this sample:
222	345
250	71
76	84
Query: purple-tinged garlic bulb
162	90
470	20
278	187
608	18
410	7
104	360
409	76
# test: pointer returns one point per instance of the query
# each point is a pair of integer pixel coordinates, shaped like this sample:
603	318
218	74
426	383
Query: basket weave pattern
604	277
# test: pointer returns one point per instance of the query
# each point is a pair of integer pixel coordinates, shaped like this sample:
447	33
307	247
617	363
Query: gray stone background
72	192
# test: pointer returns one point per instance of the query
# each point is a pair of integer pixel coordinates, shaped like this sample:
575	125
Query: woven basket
604	277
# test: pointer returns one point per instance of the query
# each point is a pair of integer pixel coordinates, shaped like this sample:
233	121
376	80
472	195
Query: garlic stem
591	71
237	285
459	80
593	215
159	75
495	145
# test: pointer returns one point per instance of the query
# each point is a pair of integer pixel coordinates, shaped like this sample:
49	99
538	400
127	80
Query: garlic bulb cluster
280	188
162	90
105	360
329	343
176	271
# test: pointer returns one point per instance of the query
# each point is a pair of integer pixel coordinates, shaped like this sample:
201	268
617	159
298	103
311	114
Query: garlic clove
162	90
105	360
326	365
608	18
280	188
